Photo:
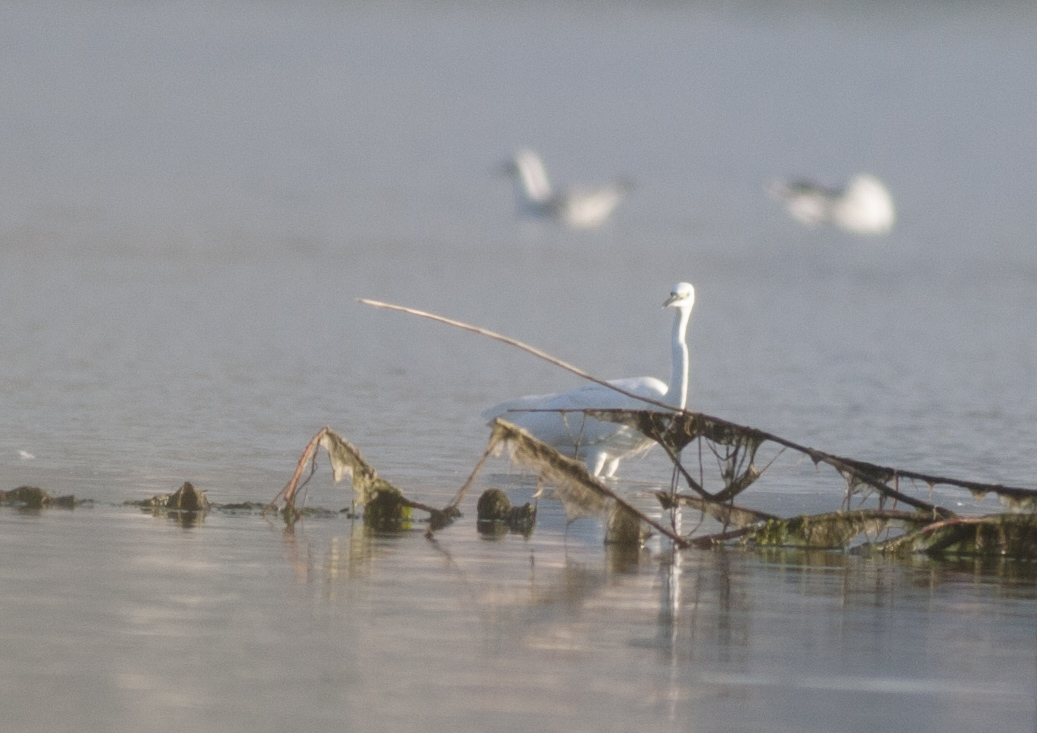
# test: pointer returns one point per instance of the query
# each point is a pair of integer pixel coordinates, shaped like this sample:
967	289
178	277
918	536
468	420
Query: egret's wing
574	427
556	418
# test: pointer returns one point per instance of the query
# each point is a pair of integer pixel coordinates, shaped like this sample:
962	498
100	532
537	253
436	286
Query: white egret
580	208
602	445
863	206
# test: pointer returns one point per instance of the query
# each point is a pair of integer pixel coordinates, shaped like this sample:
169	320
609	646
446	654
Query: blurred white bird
601	445
580	208
863	206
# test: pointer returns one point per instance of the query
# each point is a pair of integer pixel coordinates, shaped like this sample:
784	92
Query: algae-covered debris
30	497
494	506
387	509
346	462
724	512
496	514
833	530
522	519
33	497
244	507
733	448
581	494
186	499
994	535
625	528
384	505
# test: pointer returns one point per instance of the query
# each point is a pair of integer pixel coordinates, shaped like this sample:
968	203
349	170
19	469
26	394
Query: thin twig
288	492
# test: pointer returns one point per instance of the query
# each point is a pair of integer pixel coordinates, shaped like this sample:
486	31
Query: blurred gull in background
578	207
863	206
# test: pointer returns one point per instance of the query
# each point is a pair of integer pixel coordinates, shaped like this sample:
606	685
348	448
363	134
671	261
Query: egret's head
682	296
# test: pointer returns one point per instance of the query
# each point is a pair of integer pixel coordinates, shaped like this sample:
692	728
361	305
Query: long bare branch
518	344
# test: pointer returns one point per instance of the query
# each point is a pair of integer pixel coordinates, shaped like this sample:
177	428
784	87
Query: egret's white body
602	445
580	208
863	206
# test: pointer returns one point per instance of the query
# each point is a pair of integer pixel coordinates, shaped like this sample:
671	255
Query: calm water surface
194	195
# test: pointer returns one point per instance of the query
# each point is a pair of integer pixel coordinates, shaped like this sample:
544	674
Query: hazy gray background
193	194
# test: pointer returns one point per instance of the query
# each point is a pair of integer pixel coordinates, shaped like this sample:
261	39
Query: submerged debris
931	529
384	505
188	499
624	528
835	530
494	506
734	448
724	512
675	431
387	509
245	507
497	515
185	499
581	494
994	535
33	497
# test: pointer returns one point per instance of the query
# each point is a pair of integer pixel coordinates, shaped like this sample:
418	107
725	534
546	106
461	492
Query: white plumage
580	208
602	445
863	206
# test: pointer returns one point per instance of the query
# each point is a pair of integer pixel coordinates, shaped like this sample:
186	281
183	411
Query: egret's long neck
533	177
677	394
